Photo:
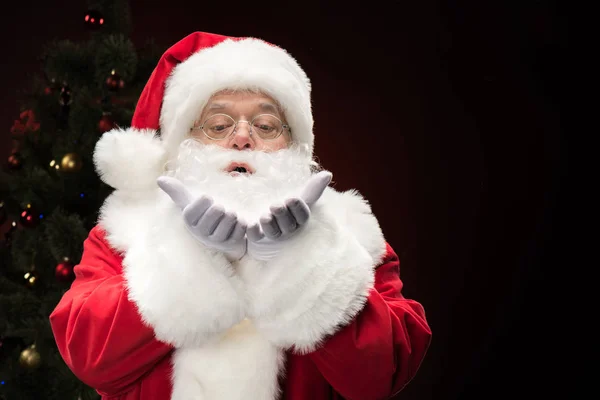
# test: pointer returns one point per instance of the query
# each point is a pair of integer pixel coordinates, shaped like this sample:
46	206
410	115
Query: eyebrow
263	106
218	106
269	107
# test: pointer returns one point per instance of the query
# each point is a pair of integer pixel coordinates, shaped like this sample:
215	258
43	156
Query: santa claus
223	266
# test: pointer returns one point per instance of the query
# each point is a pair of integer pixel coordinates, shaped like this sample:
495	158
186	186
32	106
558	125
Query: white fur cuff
319	282
186	292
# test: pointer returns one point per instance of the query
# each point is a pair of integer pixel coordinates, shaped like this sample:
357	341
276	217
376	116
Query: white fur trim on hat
236	64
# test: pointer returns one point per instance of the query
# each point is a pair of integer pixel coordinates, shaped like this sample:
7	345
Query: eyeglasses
220	126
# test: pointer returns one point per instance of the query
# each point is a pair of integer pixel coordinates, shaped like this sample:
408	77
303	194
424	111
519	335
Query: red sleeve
376	355
99	332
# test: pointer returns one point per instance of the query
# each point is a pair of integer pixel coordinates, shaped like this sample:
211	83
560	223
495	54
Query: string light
30	277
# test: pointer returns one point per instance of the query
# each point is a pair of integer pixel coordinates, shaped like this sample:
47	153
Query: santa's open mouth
236	168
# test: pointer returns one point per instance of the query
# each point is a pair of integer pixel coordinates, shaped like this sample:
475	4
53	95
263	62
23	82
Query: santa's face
241	106
242	172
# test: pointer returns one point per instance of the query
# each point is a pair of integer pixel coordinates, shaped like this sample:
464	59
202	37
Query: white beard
277	176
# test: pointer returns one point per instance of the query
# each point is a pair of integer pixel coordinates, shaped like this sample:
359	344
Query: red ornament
15	161
106	123
30	218
64	271
52	87
114	82
26	122
93	20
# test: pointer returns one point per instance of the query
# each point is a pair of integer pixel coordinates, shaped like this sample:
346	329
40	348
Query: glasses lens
218	126
267	127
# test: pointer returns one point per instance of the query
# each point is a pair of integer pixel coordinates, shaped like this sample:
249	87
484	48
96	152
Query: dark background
449	117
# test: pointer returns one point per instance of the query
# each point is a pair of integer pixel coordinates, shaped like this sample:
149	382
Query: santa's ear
130	159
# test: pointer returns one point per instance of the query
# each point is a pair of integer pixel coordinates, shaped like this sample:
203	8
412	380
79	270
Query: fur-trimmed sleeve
322	279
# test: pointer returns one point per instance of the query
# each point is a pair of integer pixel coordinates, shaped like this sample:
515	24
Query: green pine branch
65	234
115	52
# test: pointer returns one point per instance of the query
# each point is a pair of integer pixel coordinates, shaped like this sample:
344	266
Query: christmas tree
50	193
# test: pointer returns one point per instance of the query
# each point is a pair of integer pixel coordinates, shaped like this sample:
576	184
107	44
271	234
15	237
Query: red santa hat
201	64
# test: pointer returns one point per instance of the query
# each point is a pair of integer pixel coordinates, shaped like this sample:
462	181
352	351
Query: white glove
209	223
267	237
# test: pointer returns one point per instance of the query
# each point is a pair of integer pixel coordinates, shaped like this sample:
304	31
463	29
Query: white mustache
277	175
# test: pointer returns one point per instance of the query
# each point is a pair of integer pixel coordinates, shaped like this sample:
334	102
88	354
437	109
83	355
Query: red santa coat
104	341
153	315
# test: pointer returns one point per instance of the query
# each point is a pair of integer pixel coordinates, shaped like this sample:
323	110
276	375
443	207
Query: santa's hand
209	223
267	237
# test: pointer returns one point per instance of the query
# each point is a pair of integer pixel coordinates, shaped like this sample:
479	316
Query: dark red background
448	117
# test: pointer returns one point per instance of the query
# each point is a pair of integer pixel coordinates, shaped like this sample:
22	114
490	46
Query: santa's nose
242	137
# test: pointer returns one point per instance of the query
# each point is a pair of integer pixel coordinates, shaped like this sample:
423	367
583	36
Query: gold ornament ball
71	162
30	358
